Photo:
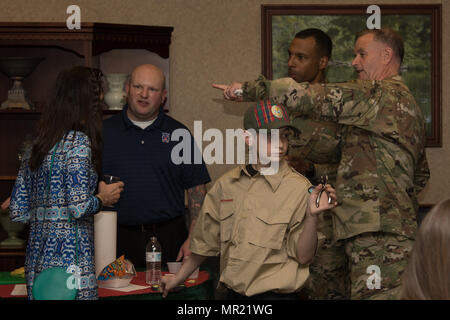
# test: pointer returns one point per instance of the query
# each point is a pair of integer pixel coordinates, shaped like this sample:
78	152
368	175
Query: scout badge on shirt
165	137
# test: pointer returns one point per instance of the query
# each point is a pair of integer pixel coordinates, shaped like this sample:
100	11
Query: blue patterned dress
52	237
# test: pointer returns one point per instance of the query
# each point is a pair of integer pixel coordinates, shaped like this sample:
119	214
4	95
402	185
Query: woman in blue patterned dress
70	131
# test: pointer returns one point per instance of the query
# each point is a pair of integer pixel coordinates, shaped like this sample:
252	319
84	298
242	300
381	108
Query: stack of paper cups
105	231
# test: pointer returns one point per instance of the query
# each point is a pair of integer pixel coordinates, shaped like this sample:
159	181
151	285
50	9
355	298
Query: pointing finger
220	86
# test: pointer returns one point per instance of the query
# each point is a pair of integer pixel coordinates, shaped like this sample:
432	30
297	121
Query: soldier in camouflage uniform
383	164
316	148
318	142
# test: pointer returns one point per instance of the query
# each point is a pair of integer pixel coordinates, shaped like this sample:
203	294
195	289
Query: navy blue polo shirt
154	184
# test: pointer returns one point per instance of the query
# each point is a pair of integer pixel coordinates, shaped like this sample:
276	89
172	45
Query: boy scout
264	227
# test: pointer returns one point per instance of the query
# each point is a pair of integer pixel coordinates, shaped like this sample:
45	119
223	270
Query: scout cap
266	115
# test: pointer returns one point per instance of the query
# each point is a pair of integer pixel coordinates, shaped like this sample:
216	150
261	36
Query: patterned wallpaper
218	41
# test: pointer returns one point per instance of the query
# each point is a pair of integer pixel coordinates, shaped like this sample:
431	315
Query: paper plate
115	282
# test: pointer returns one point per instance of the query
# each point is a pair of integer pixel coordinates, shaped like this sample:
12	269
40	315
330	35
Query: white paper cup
174	267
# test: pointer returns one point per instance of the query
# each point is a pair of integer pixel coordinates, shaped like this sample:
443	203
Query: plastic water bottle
153	259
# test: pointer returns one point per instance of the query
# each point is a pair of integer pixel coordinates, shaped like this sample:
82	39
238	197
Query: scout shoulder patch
165	137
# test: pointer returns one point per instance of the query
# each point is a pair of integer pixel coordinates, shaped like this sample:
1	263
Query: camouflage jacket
383	164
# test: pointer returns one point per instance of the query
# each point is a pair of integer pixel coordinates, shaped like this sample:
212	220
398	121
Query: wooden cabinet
91	46
61	49
11	259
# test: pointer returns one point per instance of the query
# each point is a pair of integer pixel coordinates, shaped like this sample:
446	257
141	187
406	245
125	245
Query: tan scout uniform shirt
254	224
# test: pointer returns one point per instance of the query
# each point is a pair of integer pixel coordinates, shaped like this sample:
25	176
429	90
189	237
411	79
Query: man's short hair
389	37
323	41
130	76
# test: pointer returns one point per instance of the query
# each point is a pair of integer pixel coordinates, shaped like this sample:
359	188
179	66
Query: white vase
13	229
115	98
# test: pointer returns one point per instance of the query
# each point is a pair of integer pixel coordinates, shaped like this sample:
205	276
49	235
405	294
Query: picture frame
420	25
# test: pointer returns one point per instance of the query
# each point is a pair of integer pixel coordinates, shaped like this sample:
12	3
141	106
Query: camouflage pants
340	269
329	270
376	263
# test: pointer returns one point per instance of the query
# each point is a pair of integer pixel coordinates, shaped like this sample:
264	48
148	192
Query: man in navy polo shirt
138	149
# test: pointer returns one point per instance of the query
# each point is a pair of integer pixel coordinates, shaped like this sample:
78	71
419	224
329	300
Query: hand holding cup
109	190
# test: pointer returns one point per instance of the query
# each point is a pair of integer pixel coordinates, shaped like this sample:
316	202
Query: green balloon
51	284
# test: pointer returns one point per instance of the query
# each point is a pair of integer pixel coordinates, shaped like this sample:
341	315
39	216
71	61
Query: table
198	289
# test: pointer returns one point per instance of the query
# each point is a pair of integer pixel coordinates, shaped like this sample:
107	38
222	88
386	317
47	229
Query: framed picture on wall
419	26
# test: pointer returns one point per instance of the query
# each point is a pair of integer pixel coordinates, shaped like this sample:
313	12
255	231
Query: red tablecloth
6	289
140	280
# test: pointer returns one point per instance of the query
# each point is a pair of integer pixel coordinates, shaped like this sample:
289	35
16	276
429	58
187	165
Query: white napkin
130	287
19	290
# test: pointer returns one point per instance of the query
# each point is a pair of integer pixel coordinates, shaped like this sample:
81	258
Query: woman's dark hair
75	104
